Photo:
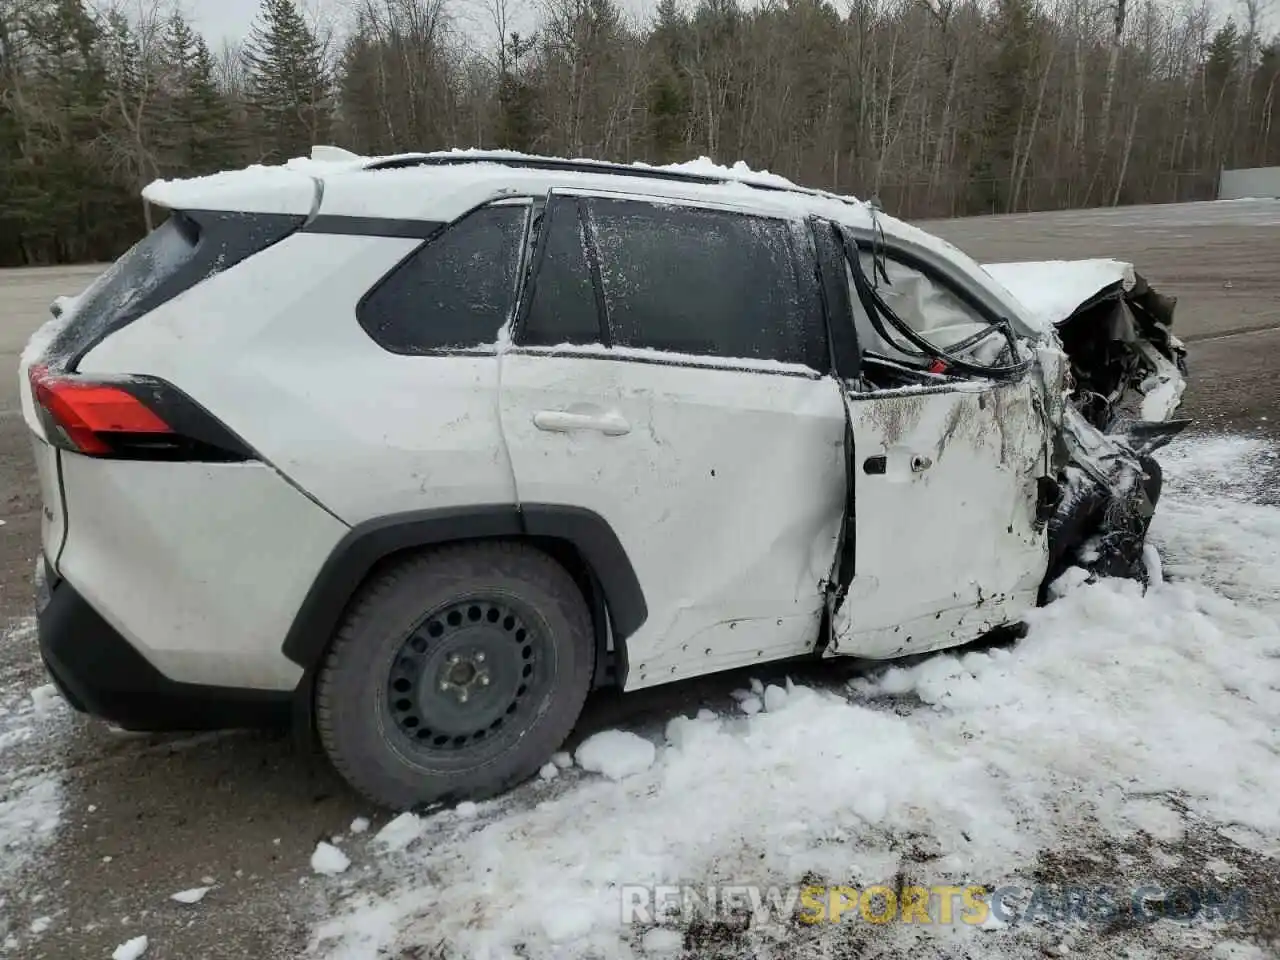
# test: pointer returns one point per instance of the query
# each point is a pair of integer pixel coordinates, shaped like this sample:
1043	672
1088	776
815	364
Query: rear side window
562	303
128	282
455	291
184	250
706	282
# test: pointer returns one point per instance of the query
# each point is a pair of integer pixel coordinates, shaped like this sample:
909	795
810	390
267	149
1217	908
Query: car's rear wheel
456	674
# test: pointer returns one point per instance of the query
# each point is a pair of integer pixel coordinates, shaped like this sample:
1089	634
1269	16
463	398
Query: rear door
667	374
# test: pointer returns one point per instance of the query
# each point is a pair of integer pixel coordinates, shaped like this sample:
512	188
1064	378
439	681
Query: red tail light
86	415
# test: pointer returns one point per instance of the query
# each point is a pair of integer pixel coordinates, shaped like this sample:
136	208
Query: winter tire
455	674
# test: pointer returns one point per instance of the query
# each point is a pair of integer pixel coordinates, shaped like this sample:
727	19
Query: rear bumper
100	673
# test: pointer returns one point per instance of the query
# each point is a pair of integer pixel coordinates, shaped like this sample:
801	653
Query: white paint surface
946	546
201	566
726	490
1052	290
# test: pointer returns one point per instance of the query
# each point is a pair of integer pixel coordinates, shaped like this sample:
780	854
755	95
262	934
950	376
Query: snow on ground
30	797
1127	735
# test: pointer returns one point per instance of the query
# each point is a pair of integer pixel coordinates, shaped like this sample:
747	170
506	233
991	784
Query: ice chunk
194	895
328	859
130	949
359	825
616	754
775	698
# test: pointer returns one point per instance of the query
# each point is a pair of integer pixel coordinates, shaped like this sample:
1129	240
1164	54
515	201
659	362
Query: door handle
563	421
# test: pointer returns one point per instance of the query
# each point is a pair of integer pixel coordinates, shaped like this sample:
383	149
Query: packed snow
400	832
1122	719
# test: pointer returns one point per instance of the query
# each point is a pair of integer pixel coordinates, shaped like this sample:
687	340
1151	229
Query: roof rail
530	162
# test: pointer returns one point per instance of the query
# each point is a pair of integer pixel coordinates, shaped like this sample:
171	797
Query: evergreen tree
669	95
516	121
200	133
1006	82
289	89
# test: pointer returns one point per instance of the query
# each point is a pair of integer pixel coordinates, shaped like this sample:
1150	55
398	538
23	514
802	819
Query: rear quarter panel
274	350
201	566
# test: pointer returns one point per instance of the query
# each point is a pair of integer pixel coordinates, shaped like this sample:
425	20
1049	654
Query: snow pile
30	797
1116	714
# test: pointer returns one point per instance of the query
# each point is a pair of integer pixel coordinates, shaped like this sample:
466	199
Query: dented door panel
948	544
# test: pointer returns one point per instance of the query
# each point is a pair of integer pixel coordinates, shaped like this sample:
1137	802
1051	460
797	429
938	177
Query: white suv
418	450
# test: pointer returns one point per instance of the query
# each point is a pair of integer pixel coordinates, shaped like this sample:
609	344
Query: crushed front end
1125	379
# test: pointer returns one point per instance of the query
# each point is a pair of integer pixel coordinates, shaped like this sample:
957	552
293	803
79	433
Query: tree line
936	107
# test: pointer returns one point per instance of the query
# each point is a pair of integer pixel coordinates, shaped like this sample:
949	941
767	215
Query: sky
229	20
221	20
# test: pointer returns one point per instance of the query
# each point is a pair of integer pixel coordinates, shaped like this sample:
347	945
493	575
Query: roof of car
444	185
357	181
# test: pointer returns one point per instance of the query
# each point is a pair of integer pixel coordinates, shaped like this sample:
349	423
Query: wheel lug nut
454	659
462	697
444	687
479	658
484	679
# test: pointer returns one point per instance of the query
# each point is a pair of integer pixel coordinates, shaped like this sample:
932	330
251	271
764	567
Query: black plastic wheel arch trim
373	541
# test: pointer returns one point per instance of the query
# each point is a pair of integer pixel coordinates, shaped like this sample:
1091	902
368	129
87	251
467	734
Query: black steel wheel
456	674
473	670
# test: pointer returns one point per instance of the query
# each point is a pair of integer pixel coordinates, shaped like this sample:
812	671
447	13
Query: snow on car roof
287	181
443	185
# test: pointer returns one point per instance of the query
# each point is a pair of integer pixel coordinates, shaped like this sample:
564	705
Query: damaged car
415	452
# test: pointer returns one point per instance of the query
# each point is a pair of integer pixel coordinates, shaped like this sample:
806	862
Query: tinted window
455	291
127	282
185	250
562	306
706	282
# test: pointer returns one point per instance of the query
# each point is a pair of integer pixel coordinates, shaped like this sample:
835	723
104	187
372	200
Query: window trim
537	256
477	350
936	271
574	197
